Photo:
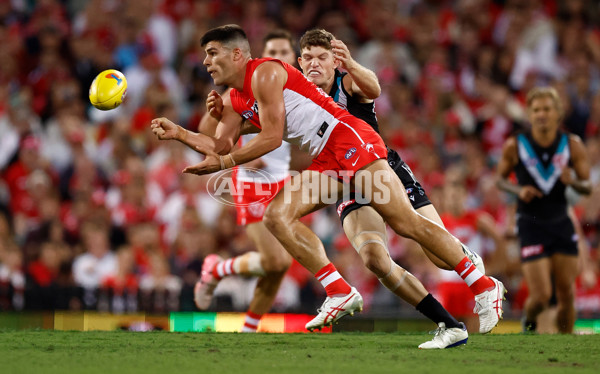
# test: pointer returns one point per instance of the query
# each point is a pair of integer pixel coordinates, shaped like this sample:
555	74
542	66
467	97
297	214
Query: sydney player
255	190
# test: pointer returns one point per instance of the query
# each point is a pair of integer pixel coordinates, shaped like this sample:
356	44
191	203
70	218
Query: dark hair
316	38
223	34
279	34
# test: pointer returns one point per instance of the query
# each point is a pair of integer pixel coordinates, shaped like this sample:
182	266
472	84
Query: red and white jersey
277	165
311	114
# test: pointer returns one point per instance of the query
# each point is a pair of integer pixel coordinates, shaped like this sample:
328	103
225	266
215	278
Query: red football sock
223	269
251	322
332	281
476	281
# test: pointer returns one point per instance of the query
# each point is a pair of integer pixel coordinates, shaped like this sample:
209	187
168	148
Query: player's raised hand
214	105
164	129
341	52
528	193
211	164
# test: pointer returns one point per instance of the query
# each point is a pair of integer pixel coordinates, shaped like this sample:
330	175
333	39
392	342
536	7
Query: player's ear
237	54
336	62
300	63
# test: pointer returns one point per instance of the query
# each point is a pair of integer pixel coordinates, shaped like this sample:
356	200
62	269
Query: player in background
546	160
321	56
270	261
294	109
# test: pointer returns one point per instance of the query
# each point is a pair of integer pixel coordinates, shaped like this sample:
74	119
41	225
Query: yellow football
108	89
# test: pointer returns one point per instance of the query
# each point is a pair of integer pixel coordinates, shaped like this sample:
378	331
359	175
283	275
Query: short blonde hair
543	92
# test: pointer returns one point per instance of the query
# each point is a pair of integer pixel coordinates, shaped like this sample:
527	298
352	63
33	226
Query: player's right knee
371	247
376	258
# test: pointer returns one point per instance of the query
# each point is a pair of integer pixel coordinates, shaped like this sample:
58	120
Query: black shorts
416	194
544	239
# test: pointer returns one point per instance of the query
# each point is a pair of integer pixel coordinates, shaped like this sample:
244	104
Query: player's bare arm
225	136
214	109
267	84
360	81
578	177
506	165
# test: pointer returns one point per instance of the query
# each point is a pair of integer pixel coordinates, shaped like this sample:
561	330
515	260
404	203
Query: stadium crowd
96	214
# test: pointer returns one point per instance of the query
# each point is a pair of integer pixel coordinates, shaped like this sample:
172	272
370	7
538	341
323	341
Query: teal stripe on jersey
545	177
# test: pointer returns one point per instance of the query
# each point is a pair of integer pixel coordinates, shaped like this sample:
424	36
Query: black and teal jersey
364	111
541	167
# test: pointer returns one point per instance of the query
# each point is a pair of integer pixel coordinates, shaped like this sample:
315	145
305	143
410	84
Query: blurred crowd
95	213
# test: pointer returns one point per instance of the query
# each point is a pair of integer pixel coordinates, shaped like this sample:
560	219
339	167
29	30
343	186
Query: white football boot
335	308
488	305
447	337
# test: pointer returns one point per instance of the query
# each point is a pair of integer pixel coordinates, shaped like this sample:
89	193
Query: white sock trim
330	279
473	277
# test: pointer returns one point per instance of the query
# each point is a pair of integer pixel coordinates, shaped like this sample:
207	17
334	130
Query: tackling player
354	90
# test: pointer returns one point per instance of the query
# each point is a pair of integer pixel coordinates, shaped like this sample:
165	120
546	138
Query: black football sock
432	309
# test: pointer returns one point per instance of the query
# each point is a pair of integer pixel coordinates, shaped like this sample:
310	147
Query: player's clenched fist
214	105
164	129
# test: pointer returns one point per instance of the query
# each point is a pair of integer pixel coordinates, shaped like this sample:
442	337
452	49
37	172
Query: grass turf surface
45	351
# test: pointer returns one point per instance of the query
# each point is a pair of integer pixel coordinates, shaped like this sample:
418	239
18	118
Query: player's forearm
207	125
249	128
255	148
197	140
365	79
505	185
584	187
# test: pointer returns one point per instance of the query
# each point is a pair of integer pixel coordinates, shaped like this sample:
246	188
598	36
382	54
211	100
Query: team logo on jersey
247	114
409	190
531	163
368	147
322	129
350	153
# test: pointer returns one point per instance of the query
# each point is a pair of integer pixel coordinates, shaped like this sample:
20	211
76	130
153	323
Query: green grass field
47	351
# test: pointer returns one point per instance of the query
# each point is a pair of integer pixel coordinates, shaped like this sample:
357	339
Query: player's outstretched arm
267	85
226	133
361	81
